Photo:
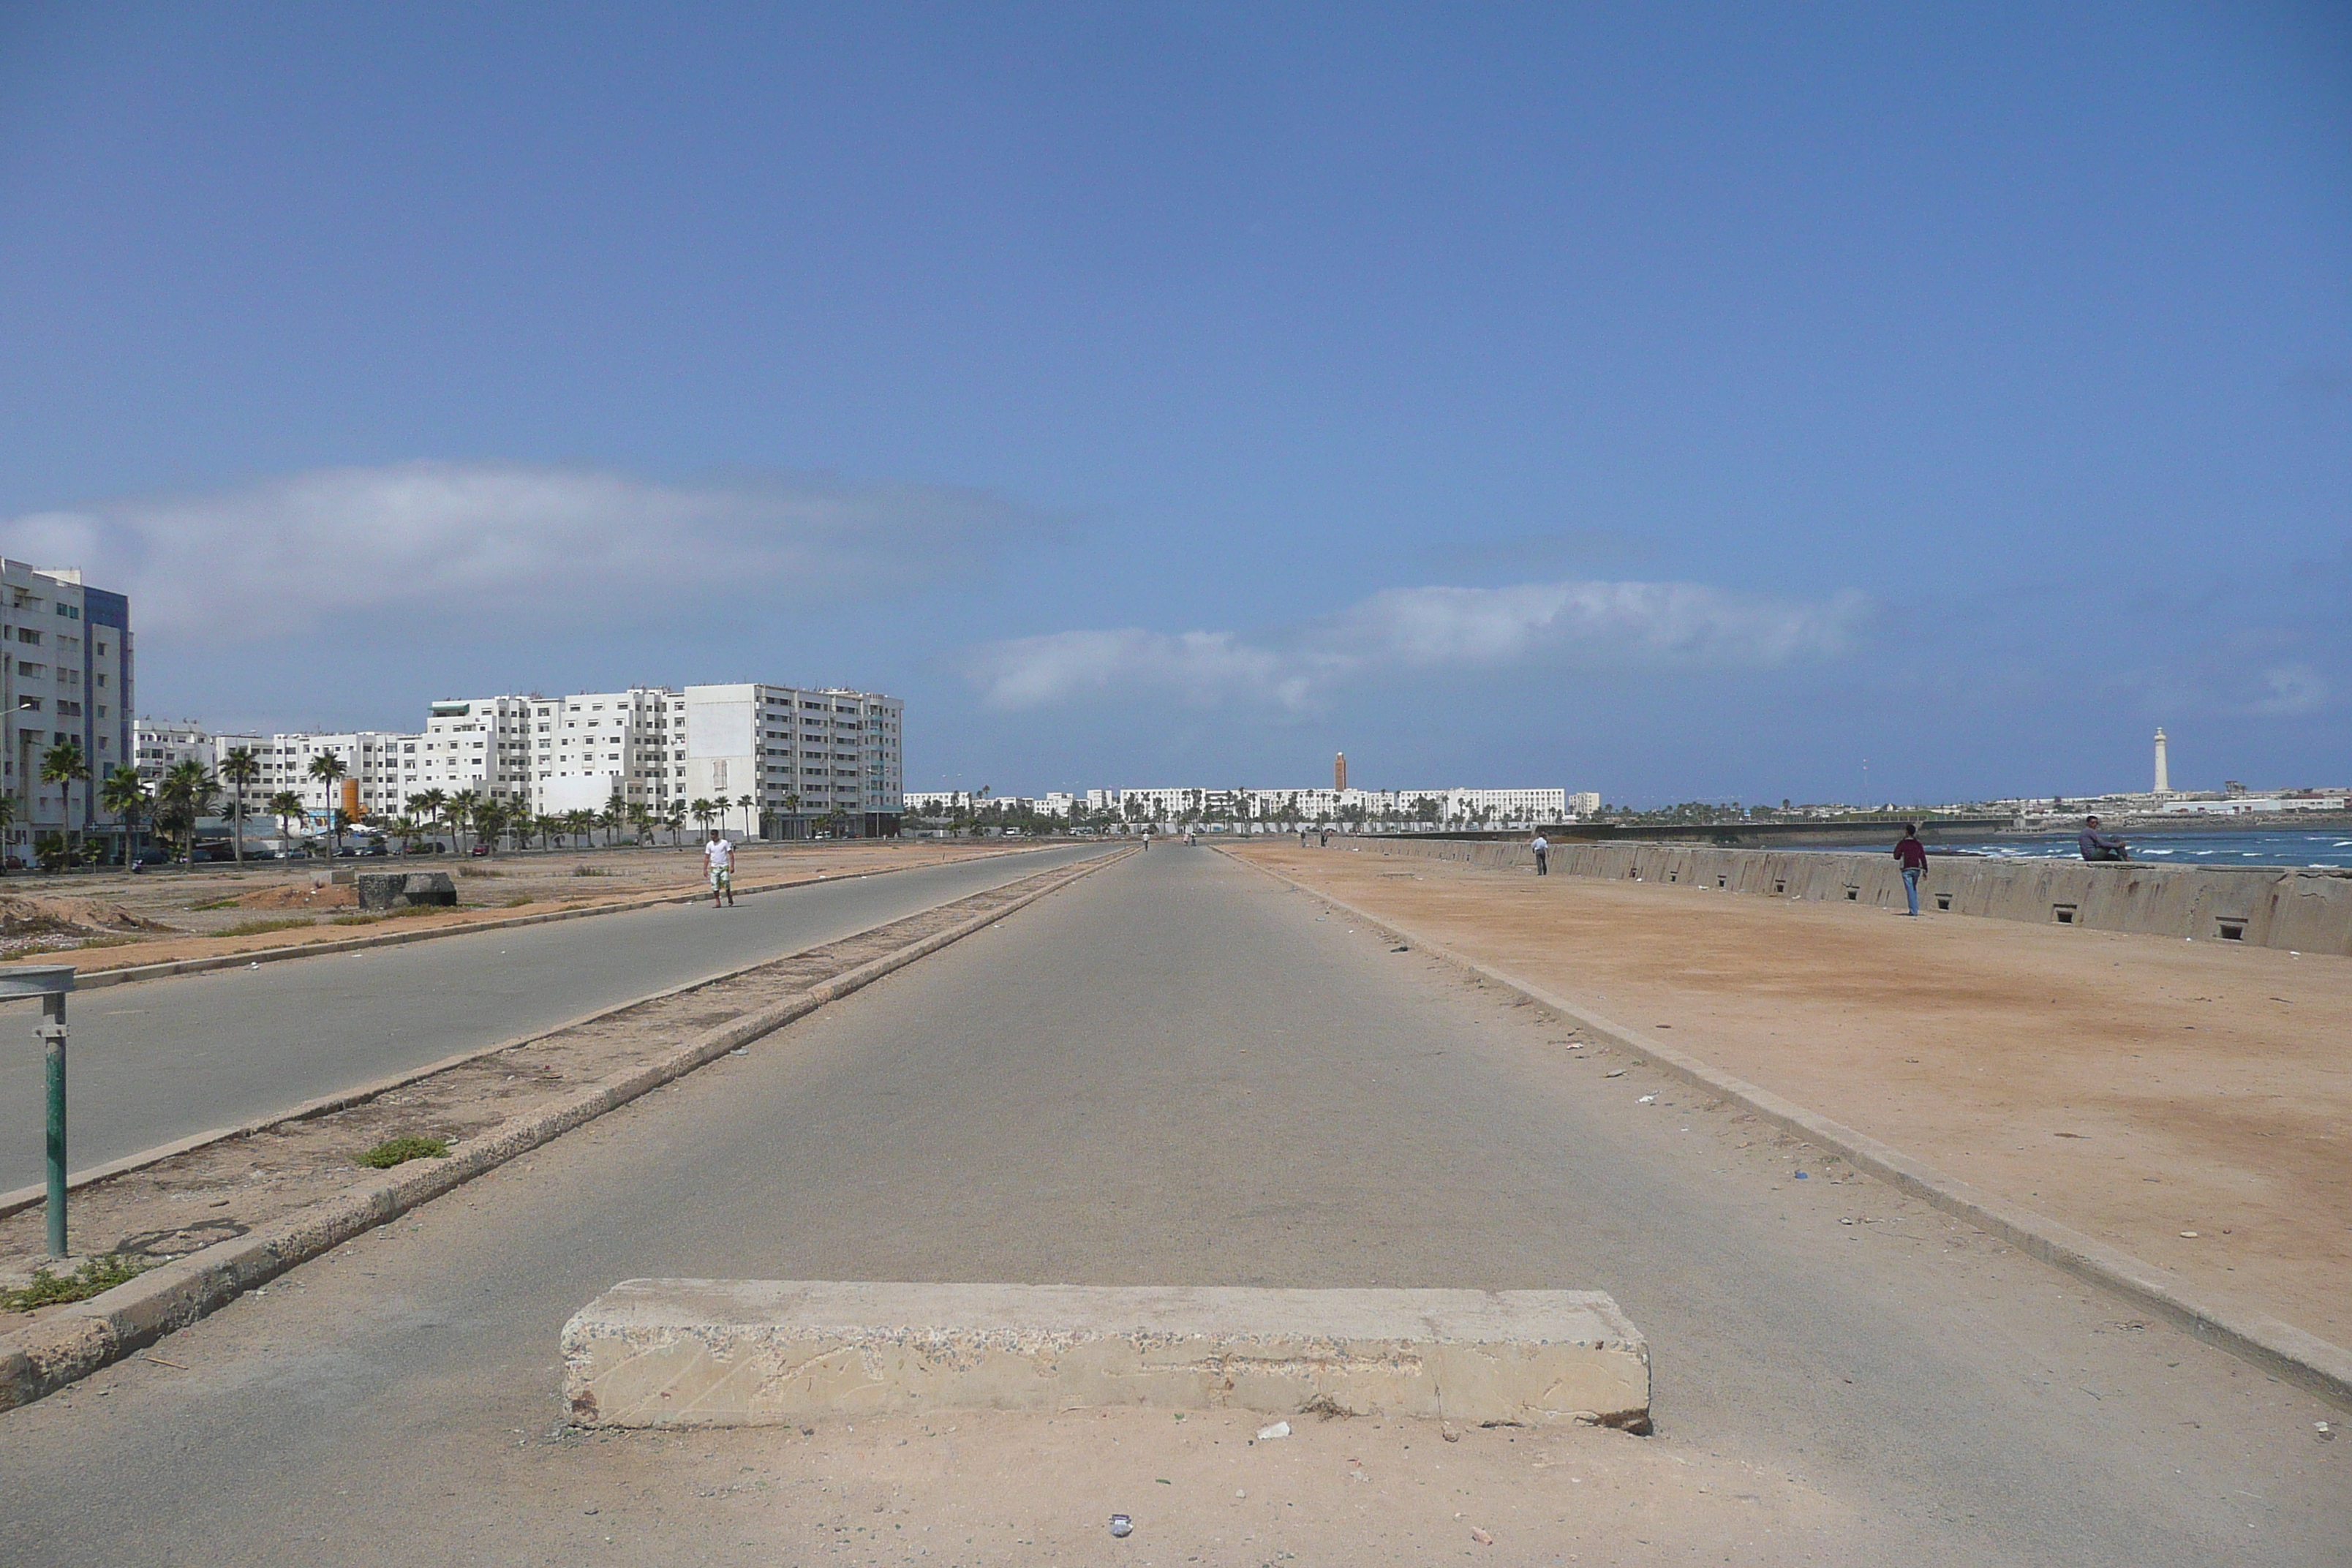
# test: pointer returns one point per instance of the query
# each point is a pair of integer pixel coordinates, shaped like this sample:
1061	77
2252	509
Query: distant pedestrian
1542	846
2097	845
1326	840
1912	855
718	860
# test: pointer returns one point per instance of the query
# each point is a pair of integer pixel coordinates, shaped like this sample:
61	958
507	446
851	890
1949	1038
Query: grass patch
255	928
401	1150
590	871
369	920
95	1275
518	901
91	942
228	904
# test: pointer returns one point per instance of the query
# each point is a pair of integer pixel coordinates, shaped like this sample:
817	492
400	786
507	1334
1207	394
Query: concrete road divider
757	1352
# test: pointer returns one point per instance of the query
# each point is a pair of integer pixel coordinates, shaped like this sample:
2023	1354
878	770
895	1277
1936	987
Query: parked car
481	849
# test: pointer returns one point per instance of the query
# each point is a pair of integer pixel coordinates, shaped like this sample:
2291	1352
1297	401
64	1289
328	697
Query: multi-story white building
373	763
160	745
585	750
1585	803
1495	808
64	675
802	756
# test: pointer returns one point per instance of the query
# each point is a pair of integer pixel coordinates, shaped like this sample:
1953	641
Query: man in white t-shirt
719	858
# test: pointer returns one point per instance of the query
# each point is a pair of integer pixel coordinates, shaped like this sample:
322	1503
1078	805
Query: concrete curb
2277	1347
765	1352
78	1340
99	979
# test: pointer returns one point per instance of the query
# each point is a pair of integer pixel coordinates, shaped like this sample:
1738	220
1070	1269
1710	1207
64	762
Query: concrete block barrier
2304	910
757	1352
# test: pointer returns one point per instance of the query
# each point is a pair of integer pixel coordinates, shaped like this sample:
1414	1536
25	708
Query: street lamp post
49	982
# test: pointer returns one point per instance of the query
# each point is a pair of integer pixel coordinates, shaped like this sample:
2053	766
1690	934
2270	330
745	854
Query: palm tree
63	763
490	820
8	821
581	823
704	813
674	818
462	806
185	795
286	806
124	795
330	771
642	821
429	804
241	767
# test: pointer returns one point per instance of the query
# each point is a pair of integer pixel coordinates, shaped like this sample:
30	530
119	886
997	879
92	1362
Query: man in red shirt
1913	855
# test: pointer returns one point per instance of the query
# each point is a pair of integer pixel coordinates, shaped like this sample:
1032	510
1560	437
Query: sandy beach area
2189	1102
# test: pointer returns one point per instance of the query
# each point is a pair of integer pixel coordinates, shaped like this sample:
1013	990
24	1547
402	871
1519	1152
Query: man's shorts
722	878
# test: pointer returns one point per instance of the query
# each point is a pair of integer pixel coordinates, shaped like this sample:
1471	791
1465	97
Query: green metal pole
53	1034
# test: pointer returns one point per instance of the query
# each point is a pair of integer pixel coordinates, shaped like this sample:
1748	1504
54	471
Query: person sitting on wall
2097	845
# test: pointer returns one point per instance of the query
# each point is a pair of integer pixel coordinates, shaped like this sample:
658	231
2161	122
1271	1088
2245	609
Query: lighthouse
2163	775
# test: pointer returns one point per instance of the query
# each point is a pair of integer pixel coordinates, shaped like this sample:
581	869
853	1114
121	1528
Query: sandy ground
114	921
2190	1102
983	1487
223	1190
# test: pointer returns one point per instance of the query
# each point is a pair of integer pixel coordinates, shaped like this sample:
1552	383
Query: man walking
1542	846
719	858
1912	855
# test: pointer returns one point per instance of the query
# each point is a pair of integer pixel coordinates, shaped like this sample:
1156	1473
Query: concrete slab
753	1353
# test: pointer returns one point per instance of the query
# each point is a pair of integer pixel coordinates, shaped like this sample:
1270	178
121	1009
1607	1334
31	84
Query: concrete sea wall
2306	912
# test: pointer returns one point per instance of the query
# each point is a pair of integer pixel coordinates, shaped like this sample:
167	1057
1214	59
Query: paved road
166	1058
1174	1072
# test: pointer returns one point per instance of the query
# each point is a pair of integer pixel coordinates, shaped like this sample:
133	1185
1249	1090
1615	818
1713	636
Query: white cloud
1591	624
2293	689
453	542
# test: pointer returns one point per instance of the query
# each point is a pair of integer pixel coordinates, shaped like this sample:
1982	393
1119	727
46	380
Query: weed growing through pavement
401	1150
255	928
520	899
95	1274
590	871
387	915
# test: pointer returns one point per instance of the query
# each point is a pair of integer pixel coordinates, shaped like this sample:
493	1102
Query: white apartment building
372	761
802	755
160	745
583	751
1585	803
66	670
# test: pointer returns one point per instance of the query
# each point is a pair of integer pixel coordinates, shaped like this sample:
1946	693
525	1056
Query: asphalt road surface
161	1059
1175	1072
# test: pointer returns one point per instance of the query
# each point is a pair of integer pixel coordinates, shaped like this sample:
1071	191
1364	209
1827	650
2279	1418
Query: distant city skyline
1688	405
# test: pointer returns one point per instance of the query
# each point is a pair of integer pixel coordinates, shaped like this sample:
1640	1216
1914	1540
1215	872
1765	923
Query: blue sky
1675	402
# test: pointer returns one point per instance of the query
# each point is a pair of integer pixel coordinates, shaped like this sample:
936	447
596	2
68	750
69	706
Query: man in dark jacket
2097	845
1912	855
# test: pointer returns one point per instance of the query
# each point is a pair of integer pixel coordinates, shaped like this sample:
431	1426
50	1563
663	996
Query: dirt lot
114	921
2190	1102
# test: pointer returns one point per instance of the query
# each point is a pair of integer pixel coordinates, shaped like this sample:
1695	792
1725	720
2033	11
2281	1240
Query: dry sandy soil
114	921
2189	1102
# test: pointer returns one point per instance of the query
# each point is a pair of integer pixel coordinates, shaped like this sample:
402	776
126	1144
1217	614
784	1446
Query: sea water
2238	847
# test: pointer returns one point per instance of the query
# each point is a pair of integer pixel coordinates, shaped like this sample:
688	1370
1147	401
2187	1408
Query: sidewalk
2132	1087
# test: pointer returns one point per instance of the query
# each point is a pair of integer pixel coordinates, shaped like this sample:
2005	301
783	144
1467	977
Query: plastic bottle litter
1268	1434
1121	1526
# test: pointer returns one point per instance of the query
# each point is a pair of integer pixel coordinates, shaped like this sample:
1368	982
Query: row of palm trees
188	791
